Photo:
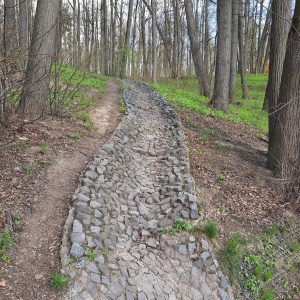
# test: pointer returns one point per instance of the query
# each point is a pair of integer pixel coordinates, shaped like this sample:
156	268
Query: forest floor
238	193
228	163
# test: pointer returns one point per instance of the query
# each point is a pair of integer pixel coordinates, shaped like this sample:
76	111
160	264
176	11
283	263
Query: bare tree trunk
265	67
104	38
242	53
79	48
126	44
263	41
246	33
113	34
206	36
10	46
195	49
143	33
154	42
23	30
234	50
74	35
165	41
286	137
10	28
279	32
37	78
220	98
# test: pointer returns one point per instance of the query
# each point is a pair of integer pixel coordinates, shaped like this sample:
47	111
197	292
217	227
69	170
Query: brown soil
41	200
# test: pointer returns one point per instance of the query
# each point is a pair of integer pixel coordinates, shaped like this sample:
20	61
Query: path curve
139	183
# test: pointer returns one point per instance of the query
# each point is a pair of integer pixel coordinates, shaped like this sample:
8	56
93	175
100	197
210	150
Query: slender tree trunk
37	77
234	50
265	68
164	38
206	36
279	32
263	41
286	137
220	99
195	49
74	35
10	46
242	53
104	38
126	44
23	30
143	33
10	28
154	42
79	48
246	33
113	16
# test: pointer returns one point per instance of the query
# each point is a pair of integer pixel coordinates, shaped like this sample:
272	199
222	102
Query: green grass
185	95
270	258
71	95
210	229
90	254
58	281
44	147
6	242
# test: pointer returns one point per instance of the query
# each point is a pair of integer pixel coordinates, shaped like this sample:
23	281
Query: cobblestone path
139	183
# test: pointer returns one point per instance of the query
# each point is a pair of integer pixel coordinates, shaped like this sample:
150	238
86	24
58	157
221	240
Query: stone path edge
65	244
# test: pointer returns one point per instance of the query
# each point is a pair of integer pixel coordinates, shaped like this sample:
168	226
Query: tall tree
286	135
200	69
125	49
263	42
10	28
37	77
281	11
154	46
242	62
279	31
23	25
234	50
220	99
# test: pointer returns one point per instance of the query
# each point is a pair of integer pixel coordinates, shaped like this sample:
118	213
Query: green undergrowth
209	228
264	265
185	94
6	242
74	91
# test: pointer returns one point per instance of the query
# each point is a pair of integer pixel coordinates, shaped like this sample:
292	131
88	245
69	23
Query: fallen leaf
3	283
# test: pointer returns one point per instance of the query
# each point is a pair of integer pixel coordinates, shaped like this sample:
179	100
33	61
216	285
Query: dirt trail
37	255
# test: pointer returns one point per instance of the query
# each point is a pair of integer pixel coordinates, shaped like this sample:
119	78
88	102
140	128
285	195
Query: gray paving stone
77	251
95	278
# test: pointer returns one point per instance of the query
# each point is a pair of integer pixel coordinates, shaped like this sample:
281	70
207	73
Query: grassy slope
185	94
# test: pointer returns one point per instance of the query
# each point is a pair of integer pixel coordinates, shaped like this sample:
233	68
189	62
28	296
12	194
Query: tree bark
154	42
10	28
234	50
23	26
286	137
220	99
202	76
126	44
37	77
263	41
279	32
242	52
